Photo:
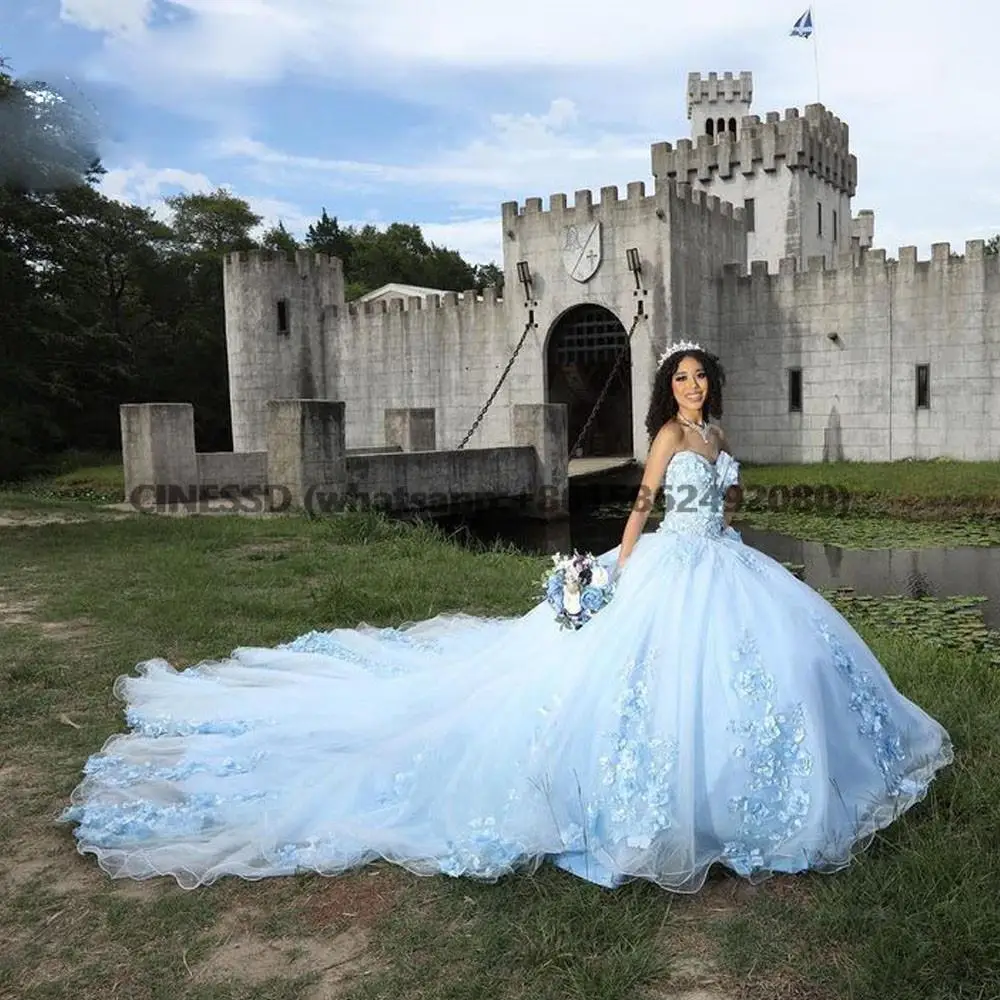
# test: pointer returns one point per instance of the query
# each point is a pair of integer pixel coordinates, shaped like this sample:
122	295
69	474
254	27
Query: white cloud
139	184
913	85
477	240
111	17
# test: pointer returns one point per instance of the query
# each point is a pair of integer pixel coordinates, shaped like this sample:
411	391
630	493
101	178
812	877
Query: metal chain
503	378
607	386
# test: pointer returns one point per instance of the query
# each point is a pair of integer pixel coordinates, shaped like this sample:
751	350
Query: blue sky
436	111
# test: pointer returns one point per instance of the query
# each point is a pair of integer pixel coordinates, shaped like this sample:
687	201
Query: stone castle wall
681	235
797	170
440	352
857	332
265	361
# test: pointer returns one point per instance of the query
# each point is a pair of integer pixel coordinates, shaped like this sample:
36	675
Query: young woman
717	710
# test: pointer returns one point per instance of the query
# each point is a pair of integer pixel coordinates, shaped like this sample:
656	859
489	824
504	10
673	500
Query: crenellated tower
277	306
794	175
716	105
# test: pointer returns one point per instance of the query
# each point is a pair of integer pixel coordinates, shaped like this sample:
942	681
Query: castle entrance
583	346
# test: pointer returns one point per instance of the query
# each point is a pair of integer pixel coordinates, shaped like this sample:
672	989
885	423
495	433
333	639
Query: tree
489	274
279	238
105	304
216	222
326	236
993	246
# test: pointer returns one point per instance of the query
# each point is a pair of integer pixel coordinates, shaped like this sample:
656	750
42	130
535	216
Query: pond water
943	572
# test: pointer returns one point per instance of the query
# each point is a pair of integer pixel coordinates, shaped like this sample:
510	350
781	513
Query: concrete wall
264	362
706	234
434	353
681	237
538	237
442	480
226	468
859	387
786	164
712	97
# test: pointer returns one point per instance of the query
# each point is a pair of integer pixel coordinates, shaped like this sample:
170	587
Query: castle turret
793	175
716	105
276	305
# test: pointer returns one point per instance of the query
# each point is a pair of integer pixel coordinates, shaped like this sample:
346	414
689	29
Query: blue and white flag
804	25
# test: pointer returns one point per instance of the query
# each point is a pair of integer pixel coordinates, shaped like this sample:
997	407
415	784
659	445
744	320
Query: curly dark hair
663	406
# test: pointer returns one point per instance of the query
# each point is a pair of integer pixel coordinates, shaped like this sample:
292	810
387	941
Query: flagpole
815	35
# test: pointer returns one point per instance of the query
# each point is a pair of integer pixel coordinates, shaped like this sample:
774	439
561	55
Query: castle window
794	390
721	126
710	126
283	328
923	387
748	214
732	126
819	218
835	227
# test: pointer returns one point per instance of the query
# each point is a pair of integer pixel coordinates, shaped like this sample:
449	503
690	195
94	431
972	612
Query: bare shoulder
669	437
720	437
662	448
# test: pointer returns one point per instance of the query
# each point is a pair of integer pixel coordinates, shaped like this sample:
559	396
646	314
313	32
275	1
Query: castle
832	351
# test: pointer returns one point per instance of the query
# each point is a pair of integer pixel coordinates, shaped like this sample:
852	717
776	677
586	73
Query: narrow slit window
923	387
794	390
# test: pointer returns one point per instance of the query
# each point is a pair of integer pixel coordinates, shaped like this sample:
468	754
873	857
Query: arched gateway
583	345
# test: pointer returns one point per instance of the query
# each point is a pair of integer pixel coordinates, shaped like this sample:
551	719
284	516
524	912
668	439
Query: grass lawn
916	916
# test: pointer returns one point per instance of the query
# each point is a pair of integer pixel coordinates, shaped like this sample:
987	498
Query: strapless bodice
694	492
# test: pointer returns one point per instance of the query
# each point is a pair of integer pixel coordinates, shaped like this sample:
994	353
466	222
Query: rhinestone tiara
681	345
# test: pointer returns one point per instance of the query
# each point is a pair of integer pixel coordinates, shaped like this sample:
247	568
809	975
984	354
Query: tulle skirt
718	710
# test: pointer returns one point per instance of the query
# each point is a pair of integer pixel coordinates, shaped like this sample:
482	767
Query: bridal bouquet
577	587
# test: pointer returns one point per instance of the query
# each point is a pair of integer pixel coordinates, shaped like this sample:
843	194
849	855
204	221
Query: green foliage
105	304
216	222
279	238
398	253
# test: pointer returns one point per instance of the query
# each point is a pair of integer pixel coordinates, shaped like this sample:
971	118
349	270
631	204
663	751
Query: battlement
635	200
873	261
817	142
302	259
584	203
713	89
473	302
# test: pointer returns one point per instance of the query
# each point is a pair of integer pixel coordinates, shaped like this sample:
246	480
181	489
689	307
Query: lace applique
403	637
694	494
115	772
777	801
875	716
167	725
746	555
325	644
638	770
484	852
125	823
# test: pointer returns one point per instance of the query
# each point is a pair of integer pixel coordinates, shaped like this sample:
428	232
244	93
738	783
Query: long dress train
718	710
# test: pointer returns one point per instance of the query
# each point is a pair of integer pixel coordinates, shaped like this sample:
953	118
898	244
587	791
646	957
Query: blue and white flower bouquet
577	588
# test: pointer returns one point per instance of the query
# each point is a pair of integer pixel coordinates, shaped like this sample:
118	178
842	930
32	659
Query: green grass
933	478
915	916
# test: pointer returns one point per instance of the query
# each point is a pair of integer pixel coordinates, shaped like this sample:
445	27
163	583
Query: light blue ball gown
718	710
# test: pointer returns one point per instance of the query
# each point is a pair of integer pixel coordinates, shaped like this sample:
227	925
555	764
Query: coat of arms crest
581	250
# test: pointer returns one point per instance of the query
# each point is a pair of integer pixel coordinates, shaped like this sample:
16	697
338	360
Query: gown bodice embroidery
694	493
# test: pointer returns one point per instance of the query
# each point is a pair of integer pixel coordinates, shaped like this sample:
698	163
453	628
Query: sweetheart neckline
690	451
